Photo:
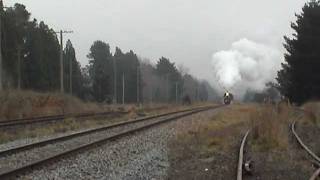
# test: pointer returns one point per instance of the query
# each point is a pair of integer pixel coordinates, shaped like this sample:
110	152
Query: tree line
299	78
31	52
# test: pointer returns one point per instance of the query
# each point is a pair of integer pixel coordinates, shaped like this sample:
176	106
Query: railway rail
241	156
79	142
307	149
53	118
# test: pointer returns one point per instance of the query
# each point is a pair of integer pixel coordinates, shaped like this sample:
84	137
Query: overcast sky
188	32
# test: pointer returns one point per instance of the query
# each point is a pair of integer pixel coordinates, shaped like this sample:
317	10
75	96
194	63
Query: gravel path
143	156
25	157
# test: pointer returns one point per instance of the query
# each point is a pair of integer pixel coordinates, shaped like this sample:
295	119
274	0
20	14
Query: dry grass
208	141
71	124
61	127
312	113
270	127
20	104
212	134
67	125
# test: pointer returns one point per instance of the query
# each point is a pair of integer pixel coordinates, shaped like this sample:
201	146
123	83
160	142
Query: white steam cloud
246	66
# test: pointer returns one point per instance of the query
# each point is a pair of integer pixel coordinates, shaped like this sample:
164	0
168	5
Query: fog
186	31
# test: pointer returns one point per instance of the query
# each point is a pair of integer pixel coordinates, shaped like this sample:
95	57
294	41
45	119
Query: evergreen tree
128	66
171	76
72	68
41	62
203	92
299	79
39	51
15	25
100	70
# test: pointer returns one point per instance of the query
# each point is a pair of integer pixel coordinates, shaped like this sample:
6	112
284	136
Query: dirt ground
208	149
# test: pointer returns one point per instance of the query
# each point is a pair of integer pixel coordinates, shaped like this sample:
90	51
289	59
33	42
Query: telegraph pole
115	81
138	82
19	67
61	63
123	87
167	79
1	11
176	92
70	76
61	58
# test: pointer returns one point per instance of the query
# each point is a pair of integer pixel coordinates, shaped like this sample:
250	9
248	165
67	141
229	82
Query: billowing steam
246	66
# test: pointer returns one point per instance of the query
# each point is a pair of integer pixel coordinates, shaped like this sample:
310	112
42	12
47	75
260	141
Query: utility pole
70	76
1	11
19	67
176	92
61	58
123	87
138	83
115	81
167	84
151	96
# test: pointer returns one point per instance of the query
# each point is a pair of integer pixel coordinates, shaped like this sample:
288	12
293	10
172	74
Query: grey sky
186	31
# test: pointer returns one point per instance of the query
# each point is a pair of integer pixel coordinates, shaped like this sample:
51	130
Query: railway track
315	158
241	156
21	159
53	118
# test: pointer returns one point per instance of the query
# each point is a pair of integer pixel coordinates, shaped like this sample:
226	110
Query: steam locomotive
227	98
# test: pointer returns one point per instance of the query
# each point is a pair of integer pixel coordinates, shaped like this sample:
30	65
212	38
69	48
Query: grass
312	113
208	142
71	124
20	104
270	127
213	134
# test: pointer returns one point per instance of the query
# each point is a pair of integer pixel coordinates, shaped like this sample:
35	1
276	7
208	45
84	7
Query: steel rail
35	164
240	161
86	132
302	144
43	119
315	175
306	148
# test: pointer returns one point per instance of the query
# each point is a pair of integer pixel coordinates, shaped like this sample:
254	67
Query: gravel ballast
141	156
25	157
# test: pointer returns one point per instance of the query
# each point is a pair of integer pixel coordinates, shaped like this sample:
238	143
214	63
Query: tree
100	70
190	87
35	44
152	84
128	66
299	78
72	71
203	92
15	25
169	73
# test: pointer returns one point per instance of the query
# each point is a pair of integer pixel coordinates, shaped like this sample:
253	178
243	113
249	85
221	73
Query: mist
247	65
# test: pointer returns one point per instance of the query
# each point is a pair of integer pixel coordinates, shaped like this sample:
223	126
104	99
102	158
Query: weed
270	127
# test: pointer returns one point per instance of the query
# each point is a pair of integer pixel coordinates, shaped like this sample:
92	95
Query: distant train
227	98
